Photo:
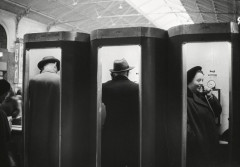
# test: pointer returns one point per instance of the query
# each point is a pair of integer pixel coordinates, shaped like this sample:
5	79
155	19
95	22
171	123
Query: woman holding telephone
202	109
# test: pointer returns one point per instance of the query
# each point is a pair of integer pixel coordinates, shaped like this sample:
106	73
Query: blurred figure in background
19	92
11	105
18	97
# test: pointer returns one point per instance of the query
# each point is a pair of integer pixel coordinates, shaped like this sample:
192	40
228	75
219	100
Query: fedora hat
48	59
120	66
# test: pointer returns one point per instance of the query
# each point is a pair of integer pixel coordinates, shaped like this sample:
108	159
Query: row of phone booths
161	59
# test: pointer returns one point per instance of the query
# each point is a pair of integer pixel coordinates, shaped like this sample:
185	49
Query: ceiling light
99	17
1	54
75	2
162	13
120	6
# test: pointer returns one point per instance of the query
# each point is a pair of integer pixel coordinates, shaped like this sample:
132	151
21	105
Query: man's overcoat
44	102
120	134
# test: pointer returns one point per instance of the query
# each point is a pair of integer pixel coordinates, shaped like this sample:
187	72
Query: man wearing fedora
120	134
44	108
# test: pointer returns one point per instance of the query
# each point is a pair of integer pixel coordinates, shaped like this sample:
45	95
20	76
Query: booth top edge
204	28
128	32
57	36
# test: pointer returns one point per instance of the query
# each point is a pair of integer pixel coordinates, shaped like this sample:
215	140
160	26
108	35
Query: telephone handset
206	95
206	91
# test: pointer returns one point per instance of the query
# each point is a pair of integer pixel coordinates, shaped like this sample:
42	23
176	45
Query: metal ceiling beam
39	13
100	15
110	16
58	20
105	10
236	8
200	13
19	17
172	10
122	17
215	11
97	2
73	8
140	11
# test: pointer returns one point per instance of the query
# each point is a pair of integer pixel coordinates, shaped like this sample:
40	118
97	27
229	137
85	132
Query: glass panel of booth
43	110
215	60
34	57
132	54
113	60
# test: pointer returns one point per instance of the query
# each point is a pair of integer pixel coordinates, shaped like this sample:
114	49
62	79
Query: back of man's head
50	67
123	73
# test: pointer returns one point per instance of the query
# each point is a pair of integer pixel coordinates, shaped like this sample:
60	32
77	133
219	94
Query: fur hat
48	59
192	72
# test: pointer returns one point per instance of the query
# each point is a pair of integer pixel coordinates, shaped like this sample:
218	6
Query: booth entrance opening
36	55
44	110
119	105
215	60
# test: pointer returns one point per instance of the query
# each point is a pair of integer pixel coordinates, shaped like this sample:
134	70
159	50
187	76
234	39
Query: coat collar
120	77
49	71
196	98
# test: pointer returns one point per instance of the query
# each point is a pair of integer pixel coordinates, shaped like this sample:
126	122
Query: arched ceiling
88	15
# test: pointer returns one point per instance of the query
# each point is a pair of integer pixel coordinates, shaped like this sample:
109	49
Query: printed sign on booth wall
18	69
16	58
20	63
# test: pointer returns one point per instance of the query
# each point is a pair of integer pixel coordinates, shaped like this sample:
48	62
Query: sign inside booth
18	58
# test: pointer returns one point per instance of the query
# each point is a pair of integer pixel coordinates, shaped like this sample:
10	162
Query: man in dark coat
44	100
120	134
4	126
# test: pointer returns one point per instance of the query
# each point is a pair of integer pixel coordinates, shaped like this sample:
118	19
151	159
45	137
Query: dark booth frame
153	44
76	132
177	114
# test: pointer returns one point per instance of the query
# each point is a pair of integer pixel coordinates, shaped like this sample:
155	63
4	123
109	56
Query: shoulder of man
134	83
45	75
107	83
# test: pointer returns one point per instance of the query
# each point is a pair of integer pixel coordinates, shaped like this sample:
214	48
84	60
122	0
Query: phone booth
145	51
57	126
214	47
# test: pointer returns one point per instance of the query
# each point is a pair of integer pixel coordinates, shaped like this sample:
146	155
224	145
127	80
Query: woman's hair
192	72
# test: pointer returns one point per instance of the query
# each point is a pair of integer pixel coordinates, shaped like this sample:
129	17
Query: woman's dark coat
202	134
120	134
